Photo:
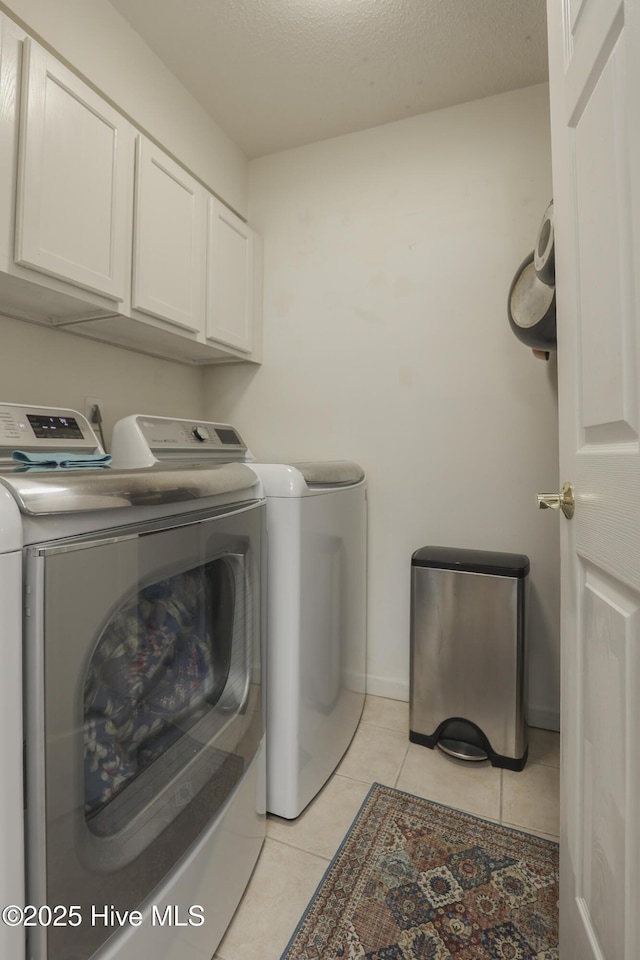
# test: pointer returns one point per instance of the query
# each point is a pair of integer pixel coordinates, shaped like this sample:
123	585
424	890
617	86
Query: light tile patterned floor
296	853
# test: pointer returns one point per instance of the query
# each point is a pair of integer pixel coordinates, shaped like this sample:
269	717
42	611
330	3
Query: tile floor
296	853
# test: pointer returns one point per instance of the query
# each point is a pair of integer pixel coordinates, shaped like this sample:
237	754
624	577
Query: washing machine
132	633
316	589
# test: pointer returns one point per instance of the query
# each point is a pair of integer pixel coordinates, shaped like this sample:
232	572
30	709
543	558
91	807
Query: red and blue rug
414	880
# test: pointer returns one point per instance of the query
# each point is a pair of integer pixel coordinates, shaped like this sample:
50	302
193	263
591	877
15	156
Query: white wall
388	258
43	366
96	41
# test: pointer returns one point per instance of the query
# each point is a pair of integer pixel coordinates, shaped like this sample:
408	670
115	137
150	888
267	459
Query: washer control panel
141	440
45	429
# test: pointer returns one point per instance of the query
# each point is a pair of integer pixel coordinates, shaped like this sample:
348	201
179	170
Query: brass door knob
564	501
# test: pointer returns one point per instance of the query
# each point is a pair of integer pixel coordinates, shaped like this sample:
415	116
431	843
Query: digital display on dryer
55	428
227	436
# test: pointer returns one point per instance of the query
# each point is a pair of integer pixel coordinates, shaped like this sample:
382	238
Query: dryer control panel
44	429
142	441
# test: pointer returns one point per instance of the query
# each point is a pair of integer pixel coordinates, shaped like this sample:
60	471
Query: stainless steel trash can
467	684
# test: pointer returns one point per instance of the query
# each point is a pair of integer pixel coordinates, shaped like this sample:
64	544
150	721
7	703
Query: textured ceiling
280	73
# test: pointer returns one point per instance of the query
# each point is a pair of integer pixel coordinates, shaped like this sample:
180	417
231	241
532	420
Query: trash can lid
472	561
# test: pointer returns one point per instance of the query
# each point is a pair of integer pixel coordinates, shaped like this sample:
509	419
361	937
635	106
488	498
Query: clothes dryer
316	588
317	631
136	596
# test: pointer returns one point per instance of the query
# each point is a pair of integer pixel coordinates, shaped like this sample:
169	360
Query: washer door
144	709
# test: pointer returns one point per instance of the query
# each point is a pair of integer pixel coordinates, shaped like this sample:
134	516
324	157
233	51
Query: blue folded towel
62	459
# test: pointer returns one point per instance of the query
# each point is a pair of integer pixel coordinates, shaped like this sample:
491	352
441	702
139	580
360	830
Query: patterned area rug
417	881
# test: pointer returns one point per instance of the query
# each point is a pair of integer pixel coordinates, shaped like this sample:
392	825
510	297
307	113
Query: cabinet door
230	279
169	240
74	179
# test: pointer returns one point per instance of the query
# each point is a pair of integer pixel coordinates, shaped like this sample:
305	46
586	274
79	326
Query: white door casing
594	57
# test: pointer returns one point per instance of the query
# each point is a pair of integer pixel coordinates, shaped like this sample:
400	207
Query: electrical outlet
90	403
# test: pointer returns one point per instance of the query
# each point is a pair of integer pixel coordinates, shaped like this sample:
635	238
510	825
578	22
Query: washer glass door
143	709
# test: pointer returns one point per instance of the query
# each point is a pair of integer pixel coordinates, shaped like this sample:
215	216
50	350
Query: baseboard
543	718
384	687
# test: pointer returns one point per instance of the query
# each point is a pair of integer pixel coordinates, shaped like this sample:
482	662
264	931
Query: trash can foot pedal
464	740
461	750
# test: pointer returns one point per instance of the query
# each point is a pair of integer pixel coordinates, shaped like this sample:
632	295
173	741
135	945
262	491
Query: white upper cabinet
75	164
170	236
230	279
106	236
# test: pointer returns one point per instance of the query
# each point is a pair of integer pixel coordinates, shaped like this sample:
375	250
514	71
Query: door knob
564	501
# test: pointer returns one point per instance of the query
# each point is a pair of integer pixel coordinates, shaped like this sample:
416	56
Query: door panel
609	402
594	52
575	7
610	626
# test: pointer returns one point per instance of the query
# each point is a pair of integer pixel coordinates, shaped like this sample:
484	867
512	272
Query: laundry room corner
40	364
102	46
388	256
69	369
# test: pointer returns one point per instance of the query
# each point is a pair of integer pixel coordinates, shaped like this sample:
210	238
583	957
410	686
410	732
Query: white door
230	278
595	104
73	217
169	240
